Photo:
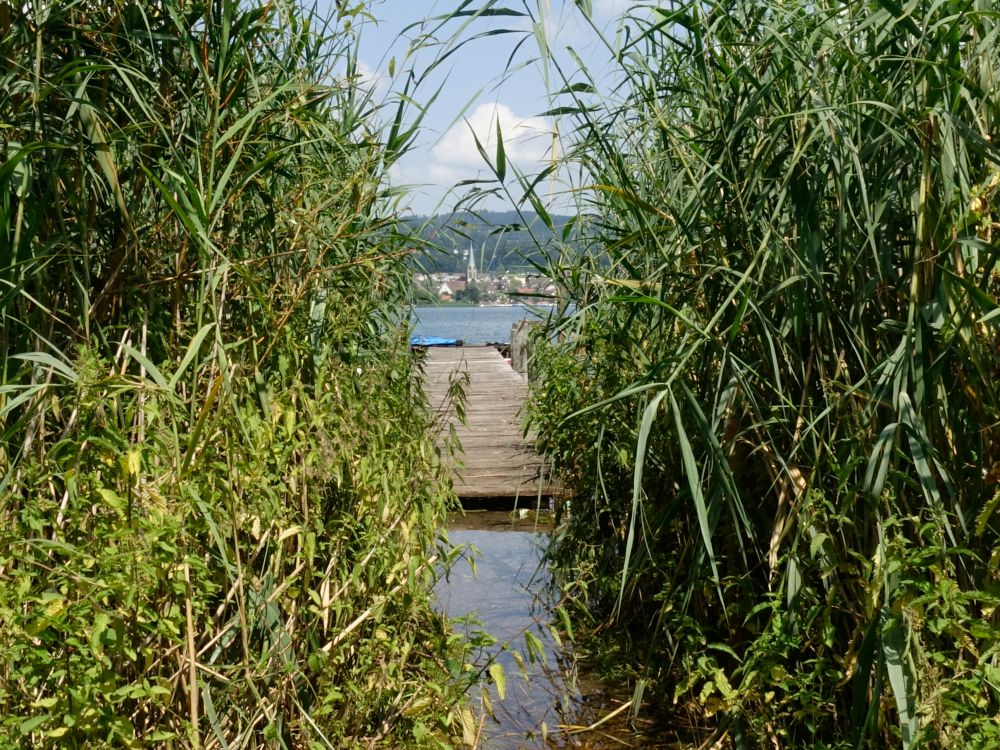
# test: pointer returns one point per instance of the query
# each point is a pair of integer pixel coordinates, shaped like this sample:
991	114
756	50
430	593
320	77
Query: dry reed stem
191	660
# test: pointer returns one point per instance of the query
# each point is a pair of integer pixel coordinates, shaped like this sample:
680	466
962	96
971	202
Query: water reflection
508	592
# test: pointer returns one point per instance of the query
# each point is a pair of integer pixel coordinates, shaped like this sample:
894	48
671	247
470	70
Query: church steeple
470	272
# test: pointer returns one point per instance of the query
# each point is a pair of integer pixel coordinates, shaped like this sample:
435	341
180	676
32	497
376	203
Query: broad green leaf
693	476
645	426
44	359
192	351
152	370
499	679
900	680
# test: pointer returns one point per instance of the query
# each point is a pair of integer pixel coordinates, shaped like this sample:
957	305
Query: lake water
474	325
509	593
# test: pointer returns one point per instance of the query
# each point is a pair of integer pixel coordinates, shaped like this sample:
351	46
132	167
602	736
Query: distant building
448	289
470	272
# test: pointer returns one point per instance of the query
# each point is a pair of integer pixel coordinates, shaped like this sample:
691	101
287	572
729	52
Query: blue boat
433	341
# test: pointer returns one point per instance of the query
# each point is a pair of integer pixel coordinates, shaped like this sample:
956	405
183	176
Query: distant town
482	287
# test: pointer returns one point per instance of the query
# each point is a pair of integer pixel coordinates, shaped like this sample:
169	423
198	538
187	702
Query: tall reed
777	399
218	503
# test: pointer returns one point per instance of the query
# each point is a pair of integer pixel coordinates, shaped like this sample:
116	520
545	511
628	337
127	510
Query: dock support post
520	345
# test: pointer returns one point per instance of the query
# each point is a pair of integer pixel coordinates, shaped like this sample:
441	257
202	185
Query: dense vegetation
218	500
503	240
775	398
778	398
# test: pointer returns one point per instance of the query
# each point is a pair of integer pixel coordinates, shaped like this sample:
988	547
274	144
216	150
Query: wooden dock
497	460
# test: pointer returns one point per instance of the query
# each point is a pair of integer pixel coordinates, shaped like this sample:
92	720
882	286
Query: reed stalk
777	400
213	449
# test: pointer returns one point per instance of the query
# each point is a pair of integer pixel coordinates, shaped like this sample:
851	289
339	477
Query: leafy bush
218	502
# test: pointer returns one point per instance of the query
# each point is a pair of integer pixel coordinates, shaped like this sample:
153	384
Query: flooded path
508	592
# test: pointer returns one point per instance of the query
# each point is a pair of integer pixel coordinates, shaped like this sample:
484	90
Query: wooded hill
503	240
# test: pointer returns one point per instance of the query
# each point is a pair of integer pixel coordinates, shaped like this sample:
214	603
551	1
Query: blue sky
477	88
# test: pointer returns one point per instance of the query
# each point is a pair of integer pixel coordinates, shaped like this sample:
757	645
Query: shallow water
508	593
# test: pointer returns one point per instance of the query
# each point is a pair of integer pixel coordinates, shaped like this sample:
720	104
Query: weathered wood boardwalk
497	461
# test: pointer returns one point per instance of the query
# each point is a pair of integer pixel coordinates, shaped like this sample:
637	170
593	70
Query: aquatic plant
776	399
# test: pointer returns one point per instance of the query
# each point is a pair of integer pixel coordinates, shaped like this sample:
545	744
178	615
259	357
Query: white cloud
526	140
432	175
373	80
454	157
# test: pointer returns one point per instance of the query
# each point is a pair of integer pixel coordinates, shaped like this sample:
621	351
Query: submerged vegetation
218	501
777	396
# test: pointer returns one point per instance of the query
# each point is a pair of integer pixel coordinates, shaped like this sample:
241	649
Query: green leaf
501	164
30	725
567	625
536	651
499	679
694	484
190	354
47	360
989	508
902	684
793	581
112	499
645	426
152	370
816	543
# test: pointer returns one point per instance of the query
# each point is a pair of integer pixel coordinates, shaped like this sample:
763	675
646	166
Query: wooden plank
497	459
